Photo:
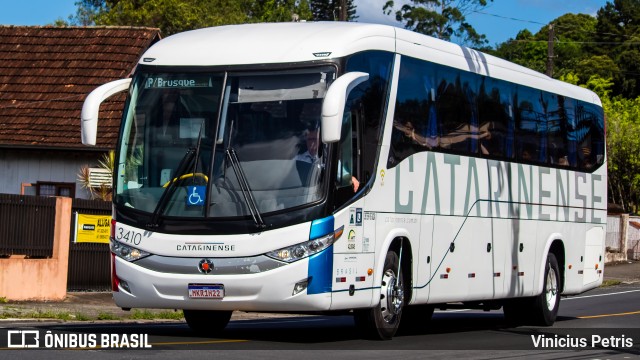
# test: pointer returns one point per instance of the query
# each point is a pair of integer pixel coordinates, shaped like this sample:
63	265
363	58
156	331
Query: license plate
206	291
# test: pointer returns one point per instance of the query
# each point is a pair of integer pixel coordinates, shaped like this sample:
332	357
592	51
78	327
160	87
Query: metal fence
27	225
89	267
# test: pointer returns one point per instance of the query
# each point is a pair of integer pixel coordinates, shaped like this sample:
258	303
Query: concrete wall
40	279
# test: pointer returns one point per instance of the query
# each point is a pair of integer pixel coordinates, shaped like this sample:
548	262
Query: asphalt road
602	323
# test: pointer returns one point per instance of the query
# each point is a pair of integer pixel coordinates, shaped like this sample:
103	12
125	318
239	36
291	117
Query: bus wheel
546	305
381	321
207	322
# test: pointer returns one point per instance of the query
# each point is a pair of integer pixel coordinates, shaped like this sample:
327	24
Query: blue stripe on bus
321	227
320	270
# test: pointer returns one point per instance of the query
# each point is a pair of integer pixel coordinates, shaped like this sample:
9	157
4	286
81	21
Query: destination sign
173	82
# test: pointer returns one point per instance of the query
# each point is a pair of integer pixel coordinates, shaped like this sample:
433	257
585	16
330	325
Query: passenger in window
586	160
563	161
526	154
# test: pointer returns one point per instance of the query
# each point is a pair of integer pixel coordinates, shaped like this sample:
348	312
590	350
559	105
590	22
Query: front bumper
265	291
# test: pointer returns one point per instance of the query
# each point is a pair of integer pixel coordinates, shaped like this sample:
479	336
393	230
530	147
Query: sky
500	21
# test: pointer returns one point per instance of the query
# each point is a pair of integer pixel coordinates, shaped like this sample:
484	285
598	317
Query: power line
543	24
507	18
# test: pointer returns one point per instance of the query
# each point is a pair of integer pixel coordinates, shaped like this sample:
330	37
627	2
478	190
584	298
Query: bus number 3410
128	236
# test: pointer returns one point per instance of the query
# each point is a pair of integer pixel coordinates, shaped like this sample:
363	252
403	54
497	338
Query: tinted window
367	104
443	109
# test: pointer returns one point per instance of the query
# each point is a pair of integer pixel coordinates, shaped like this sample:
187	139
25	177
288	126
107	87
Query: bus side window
346	152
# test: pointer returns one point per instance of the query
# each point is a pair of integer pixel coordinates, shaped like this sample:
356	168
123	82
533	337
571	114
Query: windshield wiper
191	156
244	186
171	187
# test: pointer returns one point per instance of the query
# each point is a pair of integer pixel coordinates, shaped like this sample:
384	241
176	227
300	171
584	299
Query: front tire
207	322
382	321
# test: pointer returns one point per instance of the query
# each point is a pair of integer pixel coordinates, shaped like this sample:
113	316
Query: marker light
300	286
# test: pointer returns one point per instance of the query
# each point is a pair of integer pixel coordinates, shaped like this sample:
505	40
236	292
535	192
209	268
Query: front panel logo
205	266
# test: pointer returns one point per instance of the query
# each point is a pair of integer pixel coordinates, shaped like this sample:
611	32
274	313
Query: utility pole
550	51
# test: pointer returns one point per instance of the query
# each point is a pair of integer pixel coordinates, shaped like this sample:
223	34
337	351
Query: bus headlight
127	252
305	249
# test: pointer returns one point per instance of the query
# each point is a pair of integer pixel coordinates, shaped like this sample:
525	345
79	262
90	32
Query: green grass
153	315
82	317
606	283
137	314
49	315
106	316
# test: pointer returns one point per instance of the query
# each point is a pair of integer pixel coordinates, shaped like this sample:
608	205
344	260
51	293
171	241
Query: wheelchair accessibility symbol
196	195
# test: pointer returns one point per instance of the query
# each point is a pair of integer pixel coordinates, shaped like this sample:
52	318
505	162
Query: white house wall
21	166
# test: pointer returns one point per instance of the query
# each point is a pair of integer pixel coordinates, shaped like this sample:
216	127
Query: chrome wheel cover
551	290
392	298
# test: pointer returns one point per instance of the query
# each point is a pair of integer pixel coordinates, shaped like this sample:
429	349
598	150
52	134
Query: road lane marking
608	315
598	295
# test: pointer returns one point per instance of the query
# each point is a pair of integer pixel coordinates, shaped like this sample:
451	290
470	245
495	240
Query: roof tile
46	73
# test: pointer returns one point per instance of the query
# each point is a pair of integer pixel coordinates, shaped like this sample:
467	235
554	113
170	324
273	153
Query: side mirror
91	107
333	104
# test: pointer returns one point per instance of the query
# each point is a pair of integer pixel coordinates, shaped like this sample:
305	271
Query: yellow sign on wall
92	228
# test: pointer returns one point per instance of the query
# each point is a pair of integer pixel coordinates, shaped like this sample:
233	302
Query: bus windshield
222	144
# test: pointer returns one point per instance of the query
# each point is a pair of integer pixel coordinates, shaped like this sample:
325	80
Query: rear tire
381	322
207	322
545	305
539	310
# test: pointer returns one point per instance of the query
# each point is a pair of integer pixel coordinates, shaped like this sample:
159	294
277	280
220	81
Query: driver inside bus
312	154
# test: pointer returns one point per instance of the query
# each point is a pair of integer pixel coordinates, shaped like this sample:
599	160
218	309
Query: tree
279	11
444	19
623	151
173	16
617	36
329	10
524	50
571	33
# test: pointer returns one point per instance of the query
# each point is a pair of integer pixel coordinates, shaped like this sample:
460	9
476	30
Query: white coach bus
346	167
